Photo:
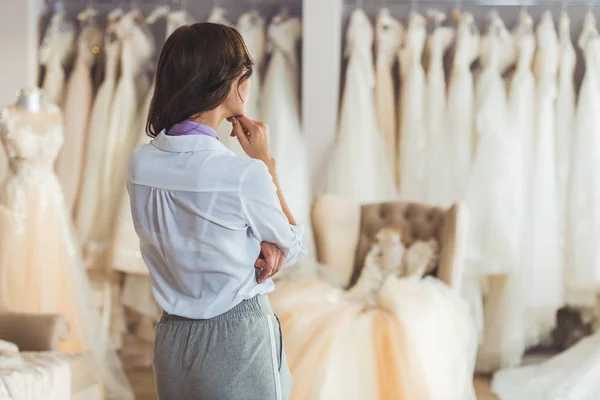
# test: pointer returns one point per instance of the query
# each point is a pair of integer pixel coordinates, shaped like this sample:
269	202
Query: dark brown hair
196	68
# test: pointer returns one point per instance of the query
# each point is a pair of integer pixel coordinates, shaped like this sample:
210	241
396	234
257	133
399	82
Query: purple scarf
192	128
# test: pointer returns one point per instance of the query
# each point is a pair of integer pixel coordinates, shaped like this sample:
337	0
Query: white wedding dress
584	193
56	48
438	141
543	265
78	104
412	145
460	113
564	135
389	32
358	169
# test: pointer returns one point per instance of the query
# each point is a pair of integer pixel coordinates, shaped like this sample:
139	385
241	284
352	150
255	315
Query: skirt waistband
258	306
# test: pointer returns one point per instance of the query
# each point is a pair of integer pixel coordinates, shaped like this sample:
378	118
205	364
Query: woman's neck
210	118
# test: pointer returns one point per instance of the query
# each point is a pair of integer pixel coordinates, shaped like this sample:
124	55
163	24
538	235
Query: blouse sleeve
263	213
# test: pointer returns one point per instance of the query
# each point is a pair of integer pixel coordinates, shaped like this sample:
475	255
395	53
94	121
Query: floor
138	356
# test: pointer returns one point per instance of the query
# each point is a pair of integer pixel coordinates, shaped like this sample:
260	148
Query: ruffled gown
358	169
438	43
78	104
42	271
412	145
584	193
543	263
389	33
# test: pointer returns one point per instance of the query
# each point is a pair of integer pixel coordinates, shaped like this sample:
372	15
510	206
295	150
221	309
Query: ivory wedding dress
252	28
358	169
412	146
435	99
584	194
90	195
78	103
460	113
564	135
43	271
389	37
373	342
543	263
56	48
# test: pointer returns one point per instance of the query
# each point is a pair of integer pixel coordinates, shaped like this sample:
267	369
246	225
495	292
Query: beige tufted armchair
344	232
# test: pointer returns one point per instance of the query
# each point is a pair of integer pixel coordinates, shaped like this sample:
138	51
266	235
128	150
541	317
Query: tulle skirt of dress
339	348
42	270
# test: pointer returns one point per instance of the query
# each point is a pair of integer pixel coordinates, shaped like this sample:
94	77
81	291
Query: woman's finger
238	131
247	123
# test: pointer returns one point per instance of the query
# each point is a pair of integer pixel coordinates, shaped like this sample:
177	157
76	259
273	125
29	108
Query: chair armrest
34	332
454	236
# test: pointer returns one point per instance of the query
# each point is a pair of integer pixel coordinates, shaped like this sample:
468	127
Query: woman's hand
253	137
269	262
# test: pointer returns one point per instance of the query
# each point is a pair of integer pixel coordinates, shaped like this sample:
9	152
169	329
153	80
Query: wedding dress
435	99
78	102
389	37
460	119
564	127
90	193
280	104
252	28
543	263
372	342
43	271
56	48
584	193
358	169
412	146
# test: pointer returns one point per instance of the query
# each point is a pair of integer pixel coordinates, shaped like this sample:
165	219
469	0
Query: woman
201	214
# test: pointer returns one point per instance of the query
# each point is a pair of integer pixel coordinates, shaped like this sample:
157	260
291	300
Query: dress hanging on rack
584	194
252	28
389	33
543	263
358	169
281	111
460	113
78	103
56	48
412	146
435	99
43	271
564	127
90	195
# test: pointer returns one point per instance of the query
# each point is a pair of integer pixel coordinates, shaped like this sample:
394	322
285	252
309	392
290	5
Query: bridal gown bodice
252	28
78	102
359	170
90	194
584	193
389	37
437	136
41	266
412	146
460	113
56	48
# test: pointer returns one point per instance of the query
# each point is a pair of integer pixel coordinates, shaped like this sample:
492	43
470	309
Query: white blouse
201	214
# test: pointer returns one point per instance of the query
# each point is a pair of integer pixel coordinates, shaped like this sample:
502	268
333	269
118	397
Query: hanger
160	11
359	4
457	12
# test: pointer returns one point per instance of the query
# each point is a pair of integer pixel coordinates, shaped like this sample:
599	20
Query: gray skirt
238	355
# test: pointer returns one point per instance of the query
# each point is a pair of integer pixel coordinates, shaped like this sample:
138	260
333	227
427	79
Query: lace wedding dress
438	43
460	113
358	169
372	342
90	194
78	103
584	194
56	48
389	37
543	263
412	146
43	271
